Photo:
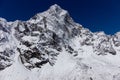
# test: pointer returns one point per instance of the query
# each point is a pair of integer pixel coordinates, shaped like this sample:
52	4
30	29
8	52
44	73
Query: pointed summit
55	7
54	13
53	10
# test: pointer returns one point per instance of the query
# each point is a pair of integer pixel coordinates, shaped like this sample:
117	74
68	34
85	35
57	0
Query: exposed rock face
103	44
54	40
6	47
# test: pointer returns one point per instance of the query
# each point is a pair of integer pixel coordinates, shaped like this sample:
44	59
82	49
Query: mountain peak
55	7
54	11
57	10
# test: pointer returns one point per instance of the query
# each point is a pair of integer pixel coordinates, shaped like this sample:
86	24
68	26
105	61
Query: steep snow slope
51	46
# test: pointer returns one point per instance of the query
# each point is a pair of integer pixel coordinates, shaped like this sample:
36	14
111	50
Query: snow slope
51	46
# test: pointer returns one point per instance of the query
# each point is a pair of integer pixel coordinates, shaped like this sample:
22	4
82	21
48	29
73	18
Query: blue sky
97	15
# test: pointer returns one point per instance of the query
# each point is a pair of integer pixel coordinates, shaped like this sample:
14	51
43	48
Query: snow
85	56
65	63
30	39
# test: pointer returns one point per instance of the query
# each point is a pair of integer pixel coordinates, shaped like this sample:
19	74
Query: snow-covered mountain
51	46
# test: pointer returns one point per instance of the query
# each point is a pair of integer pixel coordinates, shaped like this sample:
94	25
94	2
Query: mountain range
51	46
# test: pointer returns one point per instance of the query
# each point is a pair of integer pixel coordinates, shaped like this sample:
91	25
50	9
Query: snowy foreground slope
51	46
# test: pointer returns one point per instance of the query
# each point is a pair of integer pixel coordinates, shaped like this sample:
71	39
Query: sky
97	15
